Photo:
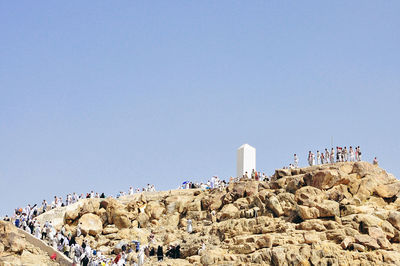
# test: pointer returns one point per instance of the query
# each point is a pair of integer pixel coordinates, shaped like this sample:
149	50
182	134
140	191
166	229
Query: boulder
365	168
394	219
306	212
177	203
279	173
143	219
71	215
110	229
367	241
274	205
294	183
121	219
309	196
338	193
328	208
313	237
90	206
114	209
155	209
228	212
324	179
346	242
388	191
91	224
251	188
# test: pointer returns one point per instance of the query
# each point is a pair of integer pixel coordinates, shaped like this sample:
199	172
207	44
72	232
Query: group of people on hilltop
341	155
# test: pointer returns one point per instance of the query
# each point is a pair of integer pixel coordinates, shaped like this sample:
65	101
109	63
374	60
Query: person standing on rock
351	154
77	255
160	253
358	153
375	162
326	156
318	157
312	159
141	257
345	154
37	230
296	161
357	158
332	155
189	226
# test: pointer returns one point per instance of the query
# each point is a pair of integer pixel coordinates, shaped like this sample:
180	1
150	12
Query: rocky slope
15	250
336	214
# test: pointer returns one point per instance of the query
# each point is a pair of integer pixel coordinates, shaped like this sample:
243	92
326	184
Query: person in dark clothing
85	261
170	252
72	241
31	226
160	253
177	252
152	252
102	196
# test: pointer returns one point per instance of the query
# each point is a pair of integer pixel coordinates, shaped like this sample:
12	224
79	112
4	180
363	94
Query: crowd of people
216	182
340	155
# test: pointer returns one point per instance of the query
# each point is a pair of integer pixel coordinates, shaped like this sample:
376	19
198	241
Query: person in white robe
189	226
37	231
141	257
78	231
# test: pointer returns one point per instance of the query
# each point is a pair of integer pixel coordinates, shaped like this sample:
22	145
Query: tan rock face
90	206
388	191
228	212
16	250
90	224
71	215
333	214
322	179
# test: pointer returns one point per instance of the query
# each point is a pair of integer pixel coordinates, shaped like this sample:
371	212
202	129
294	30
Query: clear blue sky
100	95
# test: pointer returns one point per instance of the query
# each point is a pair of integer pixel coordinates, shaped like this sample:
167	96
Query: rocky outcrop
16	250
91	224
334	214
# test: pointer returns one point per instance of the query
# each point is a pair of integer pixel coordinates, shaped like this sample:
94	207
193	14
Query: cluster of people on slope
83	254
214	182
58	202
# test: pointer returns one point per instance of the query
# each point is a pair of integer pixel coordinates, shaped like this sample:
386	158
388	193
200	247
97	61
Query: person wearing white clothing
189	226
351	152
141	257
296	161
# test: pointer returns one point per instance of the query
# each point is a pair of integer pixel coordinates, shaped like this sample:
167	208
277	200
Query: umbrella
184	183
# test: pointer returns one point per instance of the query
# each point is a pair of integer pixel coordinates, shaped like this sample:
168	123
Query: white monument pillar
246	160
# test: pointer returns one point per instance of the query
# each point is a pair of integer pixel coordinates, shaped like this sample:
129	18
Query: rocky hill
16	250
335	214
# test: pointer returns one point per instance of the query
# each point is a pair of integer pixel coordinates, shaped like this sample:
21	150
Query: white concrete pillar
246	160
